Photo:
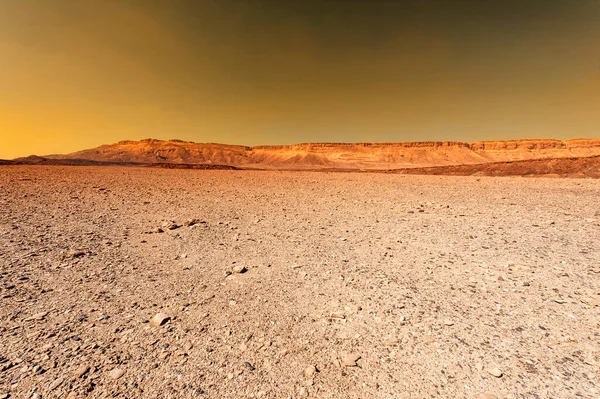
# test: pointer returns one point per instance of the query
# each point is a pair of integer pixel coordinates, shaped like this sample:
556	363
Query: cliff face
337	155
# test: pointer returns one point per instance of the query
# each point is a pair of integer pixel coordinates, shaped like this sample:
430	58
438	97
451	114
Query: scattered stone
54	384
171	225
310	371
239	269
589	302
191	222
81	371
159	319
349	359
116	373
38	316
338	315
495	372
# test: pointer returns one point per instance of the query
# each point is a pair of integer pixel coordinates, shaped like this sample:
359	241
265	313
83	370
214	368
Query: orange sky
77	74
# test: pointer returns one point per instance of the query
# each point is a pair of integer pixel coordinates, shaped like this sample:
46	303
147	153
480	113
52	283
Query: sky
76	74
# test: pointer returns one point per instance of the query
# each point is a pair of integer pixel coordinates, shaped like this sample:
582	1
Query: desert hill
326	156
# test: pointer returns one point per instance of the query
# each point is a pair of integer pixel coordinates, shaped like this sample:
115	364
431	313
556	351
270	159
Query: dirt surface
296	284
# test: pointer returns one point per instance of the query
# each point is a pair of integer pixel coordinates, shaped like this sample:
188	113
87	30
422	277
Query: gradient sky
75	74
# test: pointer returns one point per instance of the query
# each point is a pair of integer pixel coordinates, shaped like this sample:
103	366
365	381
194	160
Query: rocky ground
147	283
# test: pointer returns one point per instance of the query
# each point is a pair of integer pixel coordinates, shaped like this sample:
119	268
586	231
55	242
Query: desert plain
281	284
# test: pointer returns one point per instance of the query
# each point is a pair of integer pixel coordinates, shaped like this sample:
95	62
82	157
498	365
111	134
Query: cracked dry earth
296	284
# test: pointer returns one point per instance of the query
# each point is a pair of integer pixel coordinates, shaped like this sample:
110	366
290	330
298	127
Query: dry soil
353	285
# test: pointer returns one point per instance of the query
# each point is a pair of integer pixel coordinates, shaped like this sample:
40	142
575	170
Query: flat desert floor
355	285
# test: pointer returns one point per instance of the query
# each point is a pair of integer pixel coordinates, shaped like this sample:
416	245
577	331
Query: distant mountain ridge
347	156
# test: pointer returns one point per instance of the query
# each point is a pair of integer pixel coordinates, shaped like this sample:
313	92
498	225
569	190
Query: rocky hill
349	156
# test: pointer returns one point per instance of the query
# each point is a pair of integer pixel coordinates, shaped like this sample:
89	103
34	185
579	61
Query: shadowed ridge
583	167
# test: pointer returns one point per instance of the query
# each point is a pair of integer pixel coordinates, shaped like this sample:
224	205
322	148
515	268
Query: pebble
37	316
54	384
310	371
239	269
116	373
171	225
81	370
191	222
36	396
495	372
4	395
448	323
349	359
159	319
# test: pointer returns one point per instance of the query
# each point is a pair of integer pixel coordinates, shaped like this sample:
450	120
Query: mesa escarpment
332	156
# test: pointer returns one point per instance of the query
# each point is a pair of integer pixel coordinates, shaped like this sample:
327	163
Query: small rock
525	284
310	371
81	370
191	222
159	319
302	393
116	373
36	396
338	315
249	366
239	269
54	384
448	323
4	395
349	359
589	302
495	372
171	225
37	316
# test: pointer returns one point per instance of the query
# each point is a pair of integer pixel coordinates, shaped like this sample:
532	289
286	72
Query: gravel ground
296	284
